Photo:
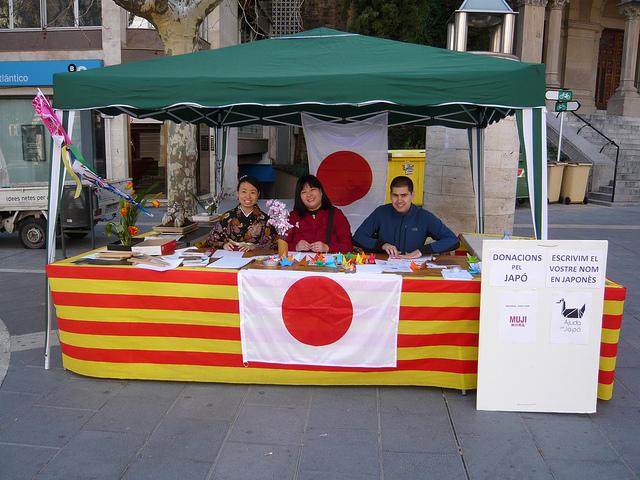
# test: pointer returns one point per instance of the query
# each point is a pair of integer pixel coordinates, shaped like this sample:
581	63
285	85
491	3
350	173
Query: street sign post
567	106
564	103
561	95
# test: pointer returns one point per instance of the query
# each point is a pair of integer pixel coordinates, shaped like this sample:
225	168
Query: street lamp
495	15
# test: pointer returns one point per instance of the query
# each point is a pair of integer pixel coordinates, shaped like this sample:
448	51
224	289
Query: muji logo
518	320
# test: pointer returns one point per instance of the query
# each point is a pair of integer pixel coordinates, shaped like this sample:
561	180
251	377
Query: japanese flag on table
329	319
350	160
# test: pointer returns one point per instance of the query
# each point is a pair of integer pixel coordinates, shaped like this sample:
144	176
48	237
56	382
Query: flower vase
283	247
119	247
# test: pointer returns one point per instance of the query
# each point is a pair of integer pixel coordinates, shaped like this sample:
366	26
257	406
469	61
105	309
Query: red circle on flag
345	176
317	311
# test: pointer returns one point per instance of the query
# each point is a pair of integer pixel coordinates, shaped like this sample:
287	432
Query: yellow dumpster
409	163
554	180
574	183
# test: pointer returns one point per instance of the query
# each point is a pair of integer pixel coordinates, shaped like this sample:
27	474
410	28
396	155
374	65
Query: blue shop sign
40	73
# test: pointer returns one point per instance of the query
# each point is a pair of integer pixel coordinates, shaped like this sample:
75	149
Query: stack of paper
227	253
230	262
451	274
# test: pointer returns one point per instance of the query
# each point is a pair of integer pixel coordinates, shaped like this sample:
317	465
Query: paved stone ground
55	424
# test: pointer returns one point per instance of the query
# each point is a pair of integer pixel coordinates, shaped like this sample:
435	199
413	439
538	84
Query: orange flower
129	186
133	230
123	211
155	203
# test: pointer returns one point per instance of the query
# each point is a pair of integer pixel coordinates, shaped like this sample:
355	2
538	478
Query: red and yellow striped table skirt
125	322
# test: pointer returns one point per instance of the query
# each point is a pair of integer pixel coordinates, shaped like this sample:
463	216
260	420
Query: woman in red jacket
318	226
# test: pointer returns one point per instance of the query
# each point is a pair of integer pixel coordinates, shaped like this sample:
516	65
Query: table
126	322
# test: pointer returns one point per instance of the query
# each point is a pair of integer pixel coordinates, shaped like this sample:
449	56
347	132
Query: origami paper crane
286	261
318	259
302	263
417	266
349	266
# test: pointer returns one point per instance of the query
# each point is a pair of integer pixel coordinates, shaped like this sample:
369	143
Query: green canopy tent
334	75
337	76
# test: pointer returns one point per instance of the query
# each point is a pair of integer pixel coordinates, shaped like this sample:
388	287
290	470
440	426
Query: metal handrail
609	142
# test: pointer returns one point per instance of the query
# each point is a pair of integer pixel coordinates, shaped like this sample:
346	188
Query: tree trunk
177	24
182	146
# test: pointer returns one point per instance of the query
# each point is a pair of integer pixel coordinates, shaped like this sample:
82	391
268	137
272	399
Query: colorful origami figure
372	259
474	268
349	266
338	257
331	262
286	261
417	266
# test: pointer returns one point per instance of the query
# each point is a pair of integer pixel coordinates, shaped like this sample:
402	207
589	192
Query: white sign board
540	324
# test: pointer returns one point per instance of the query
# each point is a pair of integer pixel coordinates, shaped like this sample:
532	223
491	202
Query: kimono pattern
235	226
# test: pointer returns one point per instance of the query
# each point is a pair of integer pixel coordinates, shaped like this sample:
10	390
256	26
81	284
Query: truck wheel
33	233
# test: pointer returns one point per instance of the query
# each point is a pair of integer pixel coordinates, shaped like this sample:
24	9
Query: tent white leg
476	155
57	177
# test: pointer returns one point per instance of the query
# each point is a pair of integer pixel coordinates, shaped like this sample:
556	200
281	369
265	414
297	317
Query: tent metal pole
480	154
476	157
57	176
220	157
218	162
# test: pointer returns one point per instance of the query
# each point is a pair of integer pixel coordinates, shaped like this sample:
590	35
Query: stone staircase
603	195
625	131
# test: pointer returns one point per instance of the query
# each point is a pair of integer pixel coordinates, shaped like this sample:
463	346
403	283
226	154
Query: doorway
147	167
609	66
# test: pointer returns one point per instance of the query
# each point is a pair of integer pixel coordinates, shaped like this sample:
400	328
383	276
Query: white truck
23	209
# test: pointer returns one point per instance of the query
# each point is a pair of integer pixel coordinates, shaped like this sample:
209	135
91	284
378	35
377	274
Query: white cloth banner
351	162
327	319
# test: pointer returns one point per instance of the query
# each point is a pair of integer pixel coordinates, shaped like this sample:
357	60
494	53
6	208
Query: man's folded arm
445	239
365	235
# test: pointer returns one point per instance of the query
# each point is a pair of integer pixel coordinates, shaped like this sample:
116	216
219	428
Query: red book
155	247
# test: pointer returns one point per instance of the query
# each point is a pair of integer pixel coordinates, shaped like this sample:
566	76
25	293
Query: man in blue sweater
401	228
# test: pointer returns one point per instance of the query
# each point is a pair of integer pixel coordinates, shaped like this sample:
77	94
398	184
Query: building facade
591	48
39	38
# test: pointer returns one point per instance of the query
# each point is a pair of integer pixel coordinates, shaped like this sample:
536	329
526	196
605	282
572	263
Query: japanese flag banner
326	319
350	160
